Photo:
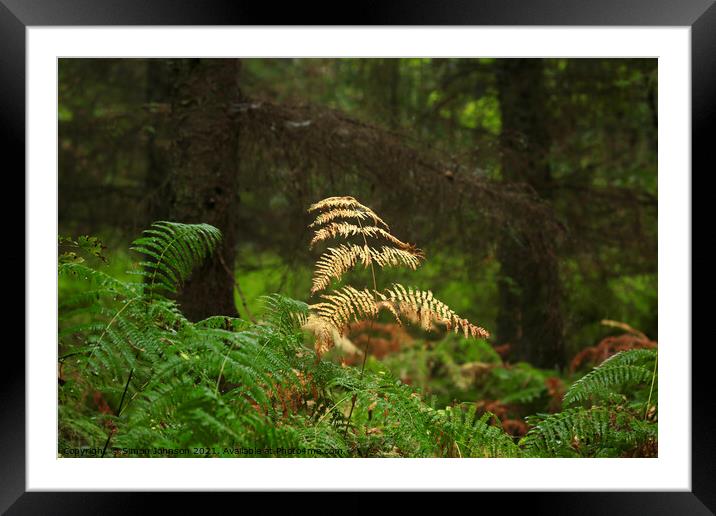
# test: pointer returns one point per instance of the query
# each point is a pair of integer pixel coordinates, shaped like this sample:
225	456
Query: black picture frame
17	15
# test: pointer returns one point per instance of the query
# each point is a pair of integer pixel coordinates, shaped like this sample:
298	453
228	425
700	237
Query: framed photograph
432	248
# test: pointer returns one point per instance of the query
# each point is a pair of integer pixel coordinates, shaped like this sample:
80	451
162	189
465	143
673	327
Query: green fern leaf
175	250
624	369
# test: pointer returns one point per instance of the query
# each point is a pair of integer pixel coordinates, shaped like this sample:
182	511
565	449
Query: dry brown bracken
346	217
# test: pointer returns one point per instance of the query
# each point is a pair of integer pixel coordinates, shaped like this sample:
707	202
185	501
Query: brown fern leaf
595	355
392	257
345	201
324	331
330	318
343	207
339	213
327	336
422	306
345	305
336	261
346	230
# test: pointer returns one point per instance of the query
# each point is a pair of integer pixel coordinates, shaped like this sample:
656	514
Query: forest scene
344	257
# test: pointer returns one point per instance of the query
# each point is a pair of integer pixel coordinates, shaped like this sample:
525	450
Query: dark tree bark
203	179
530	313
381	83
158	92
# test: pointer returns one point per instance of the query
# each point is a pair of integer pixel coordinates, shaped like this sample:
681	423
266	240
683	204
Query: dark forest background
531	184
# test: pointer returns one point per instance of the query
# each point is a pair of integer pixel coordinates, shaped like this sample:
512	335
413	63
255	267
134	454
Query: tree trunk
530	313
204	174
158	94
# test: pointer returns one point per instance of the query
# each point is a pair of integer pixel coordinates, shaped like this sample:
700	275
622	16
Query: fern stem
119	409
367	344
651	389
161	257
331	409
362	370
221	371
106	329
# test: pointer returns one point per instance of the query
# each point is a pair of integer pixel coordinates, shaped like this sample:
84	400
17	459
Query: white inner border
671	471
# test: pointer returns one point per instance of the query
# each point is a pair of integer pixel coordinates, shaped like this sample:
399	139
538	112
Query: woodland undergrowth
137	378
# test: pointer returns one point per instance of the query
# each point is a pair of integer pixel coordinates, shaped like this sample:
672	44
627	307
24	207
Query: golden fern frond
329	319
392	257
340	213
345	201
343	207
346	229
336	261
324	332
422	306
345	305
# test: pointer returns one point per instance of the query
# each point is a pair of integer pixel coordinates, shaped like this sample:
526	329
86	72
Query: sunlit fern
345	217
